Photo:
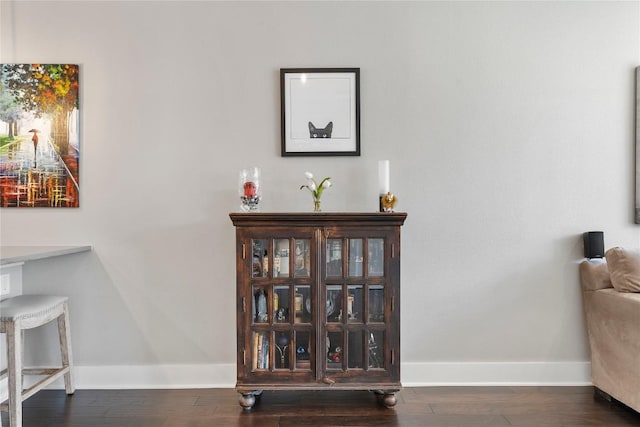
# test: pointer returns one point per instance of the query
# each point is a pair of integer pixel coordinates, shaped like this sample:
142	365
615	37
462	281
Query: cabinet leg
386	397
389	399
247	400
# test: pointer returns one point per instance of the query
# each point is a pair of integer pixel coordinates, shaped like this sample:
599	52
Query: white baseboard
495	373
416	374
155	376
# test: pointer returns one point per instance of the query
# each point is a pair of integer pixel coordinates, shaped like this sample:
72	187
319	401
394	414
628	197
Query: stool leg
22	355
64	333
14	367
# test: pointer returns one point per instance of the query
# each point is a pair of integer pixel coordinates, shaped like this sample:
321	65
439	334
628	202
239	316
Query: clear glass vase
249	189
316	205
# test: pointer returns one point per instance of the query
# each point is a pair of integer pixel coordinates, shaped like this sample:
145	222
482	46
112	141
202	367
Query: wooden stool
27	312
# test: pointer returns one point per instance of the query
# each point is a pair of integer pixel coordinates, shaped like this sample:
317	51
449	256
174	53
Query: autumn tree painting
39	150
46	89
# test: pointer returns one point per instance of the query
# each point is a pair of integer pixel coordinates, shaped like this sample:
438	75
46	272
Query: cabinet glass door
355	291
282	308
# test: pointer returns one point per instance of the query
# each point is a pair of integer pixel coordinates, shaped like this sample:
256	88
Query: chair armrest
594	276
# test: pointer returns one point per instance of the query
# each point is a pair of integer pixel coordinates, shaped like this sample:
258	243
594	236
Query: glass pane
282	342
355	349
281	258
302	258
281	304
303	350
376	304
355	257
260	306
354	304
260	258
334	303
260	356
376	257
334	350
376	345
334	257
302	304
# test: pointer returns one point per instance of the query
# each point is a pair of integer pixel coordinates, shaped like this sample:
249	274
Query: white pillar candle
383	176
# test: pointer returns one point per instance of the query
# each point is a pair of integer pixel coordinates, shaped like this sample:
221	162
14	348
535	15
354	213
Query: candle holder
383	183
249	189
388	202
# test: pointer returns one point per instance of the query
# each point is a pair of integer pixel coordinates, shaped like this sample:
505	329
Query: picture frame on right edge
320	110
637	205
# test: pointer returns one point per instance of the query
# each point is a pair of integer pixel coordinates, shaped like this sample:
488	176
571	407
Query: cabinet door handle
244	305
393	301
244	252
328	380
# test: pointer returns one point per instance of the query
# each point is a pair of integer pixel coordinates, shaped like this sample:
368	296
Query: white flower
311	184
315	189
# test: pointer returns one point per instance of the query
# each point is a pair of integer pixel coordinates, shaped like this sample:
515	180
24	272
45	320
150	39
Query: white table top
16	254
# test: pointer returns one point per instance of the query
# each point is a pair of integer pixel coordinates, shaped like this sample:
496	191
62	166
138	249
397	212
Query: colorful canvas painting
39	136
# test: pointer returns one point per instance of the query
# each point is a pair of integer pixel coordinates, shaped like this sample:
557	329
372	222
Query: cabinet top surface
317	218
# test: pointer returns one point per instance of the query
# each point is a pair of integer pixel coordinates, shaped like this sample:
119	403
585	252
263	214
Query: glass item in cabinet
301	258
265	264
249	189
260	258
281	304
334	303
354	303
330	304
334	257
281	258
260	306
376	303
355	257
303	350
334	350
375	349
302	294
376	257
283	339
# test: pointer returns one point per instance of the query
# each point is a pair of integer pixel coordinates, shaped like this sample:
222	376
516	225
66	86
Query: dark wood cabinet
318	302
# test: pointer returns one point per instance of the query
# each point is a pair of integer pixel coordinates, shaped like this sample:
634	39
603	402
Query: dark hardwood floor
423	406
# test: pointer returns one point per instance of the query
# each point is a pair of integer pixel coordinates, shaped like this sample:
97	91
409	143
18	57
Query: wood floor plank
226	421
397	420
416	407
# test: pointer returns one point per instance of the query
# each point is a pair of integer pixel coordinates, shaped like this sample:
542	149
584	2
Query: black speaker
593	244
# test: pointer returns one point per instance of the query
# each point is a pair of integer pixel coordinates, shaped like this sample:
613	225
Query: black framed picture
320	110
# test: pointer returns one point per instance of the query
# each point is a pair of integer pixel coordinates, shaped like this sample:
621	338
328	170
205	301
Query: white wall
509	127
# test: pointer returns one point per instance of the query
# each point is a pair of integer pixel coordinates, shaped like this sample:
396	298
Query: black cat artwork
315	132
